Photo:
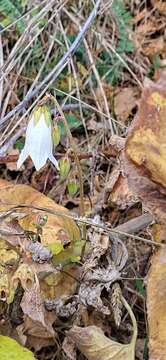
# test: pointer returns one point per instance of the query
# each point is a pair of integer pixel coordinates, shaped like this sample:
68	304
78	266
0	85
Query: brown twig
50	78
12	158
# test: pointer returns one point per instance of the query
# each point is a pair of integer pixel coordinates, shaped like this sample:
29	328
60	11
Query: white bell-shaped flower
38	142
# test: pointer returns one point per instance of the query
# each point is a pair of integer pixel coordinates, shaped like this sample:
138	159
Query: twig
86	221
1	64
57	69
22	16
136	224
95	71
12	158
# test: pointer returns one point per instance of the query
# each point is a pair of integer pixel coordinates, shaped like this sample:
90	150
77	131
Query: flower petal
54	161
22	157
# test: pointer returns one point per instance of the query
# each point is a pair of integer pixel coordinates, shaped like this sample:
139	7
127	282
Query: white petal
54	161
22	157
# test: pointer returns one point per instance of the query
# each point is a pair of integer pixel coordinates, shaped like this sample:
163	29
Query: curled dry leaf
156	305
119	192
92	342
32	306
144	158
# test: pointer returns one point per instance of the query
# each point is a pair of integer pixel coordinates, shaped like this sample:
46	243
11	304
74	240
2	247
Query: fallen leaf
10	349
32	306
39	281
156	305
158	232
23	275
119	191
160	5
144	158
32	334
124	103
63	283
92	342
12	166
11	194
155	46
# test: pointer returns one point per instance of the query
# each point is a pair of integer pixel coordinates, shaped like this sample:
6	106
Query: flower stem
74	148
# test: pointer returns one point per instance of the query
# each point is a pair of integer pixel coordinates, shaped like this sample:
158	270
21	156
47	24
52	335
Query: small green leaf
75	259
72	121
140	286
10	349
56	248
70	254
20	144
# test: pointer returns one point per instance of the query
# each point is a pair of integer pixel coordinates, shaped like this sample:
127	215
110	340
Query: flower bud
72	187
64	165
56	134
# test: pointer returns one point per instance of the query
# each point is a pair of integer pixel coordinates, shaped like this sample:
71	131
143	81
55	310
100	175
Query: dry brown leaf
60	284
154	47
49	283
160	5
32	306
12	166
156	306
158	232
92	342
118	190
33	334
56	226
144	158
124	102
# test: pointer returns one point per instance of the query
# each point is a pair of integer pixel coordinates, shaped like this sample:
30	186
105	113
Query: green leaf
73	122
72	187
70	254
19	144
55	248
140	286
11	12
10	349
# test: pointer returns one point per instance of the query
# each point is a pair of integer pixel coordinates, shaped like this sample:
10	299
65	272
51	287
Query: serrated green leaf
10	349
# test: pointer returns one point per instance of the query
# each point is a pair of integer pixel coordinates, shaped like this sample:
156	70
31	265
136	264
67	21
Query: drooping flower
38	142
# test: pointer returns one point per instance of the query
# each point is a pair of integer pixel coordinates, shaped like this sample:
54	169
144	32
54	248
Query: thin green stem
74	148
